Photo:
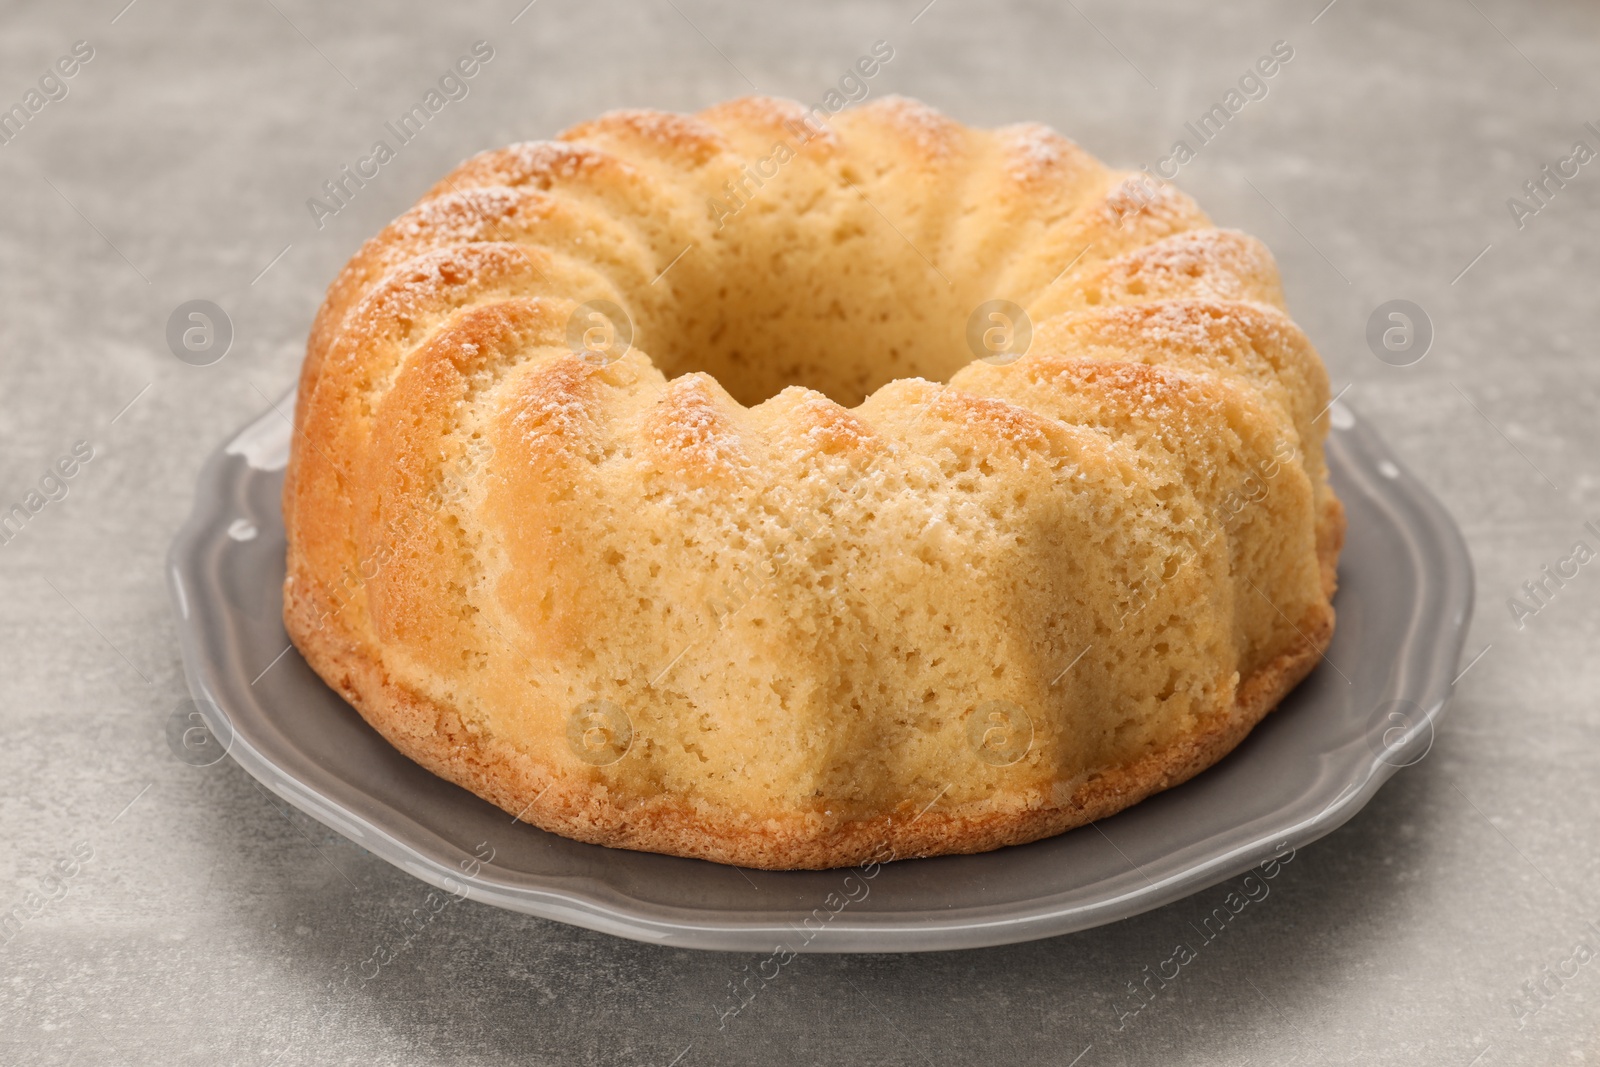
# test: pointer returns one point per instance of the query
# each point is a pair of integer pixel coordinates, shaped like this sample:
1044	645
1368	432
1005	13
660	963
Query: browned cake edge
433	736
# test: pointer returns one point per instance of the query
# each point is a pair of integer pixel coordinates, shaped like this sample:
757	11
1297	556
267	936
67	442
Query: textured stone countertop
200	921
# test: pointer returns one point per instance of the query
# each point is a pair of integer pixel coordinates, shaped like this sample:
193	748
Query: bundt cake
795	490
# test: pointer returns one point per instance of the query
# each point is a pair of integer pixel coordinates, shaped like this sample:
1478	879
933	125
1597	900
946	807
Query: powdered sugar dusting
554	404
1209	264
1205	327
1172	323
435	279
1032	150
688	427
667	131
464	216
829	427
766	112
540	162
932	132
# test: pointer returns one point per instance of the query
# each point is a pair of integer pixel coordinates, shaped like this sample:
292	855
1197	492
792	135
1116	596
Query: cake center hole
842	310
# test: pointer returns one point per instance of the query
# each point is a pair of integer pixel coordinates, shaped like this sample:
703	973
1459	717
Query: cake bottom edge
434	736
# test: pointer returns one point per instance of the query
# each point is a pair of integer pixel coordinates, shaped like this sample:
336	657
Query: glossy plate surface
1370	708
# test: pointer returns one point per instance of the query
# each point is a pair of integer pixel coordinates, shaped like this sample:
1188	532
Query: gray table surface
208	922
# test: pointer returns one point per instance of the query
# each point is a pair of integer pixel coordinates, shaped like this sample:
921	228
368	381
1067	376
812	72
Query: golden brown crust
487	530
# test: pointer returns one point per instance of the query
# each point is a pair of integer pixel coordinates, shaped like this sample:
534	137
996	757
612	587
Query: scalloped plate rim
588	902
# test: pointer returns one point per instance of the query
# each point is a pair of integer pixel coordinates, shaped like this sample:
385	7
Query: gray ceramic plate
1369	709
